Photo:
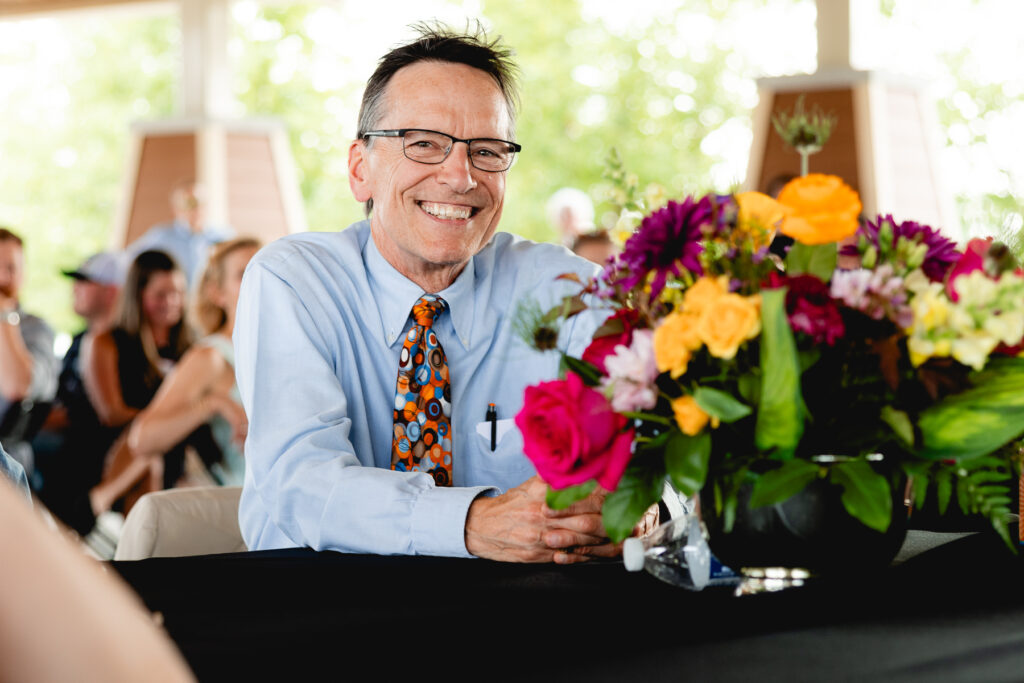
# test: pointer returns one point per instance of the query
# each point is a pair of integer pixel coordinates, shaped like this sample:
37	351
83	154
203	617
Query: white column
833	26
205	82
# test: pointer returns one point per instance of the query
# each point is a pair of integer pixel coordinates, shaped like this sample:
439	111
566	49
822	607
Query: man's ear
358	176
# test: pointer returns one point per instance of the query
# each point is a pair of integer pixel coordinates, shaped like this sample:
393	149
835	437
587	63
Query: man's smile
447	211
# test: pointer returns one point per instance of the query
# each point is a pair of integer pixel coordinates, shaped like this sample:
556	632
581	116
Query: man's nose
456	171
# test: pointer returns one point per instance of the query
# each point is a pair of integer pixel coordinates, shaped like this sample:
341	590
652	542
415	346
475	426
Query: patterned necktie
422	440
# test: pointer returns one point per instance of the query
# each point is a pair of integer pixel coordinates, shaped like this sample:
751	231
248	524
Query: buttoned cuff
439	520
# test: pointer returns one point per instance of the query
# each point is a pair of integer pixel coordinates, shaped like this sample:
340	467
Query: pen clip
492	417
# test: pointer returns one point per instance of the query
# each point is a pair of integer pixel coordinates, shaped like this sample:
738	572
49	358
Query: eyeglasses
431	147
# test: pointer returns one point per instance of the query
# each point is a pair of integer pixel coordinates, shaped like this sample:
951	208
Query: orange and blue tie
422	440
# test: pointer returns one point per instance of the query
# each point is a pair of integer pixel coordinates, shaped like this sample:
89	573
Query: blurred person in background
28	368
571	212
202	388
596	246
124	366
187	237
65	459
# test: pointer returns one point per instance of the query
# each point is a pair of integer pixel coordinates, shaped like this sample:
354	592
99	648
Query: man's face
91	299
12	269
428	217
188	206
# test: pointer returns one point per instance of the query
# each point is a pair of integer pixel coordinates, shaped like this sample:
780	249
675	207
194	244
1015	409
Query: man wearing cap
28	368
71	447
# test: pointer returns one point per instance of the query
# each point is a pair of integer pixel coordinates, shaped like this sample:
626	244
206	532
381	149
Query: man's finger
568	539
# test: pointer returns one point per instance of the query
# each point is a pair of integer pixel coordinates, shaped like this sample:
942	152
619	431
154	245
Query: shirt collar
396	295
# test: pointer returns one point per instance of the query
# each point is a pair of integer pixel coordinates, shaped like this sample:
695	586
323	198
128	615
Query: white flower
631	374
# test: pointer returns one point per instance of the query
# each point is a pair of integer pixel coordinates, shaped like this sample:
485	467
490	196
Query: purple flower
878	293
667	241
940	257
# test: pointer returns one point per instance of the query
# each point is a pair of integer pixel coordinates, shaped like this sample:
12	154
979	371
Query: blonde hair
209	316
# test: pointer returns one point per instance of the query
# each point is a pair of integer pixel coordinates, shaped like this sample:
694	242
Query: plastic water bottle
677	553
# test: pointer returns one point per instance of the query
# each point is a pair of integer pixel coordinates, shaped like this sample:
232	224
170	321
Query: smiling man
378	365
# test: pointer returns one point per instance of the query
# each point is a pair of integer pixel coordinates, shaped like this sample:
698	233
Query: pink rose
572	435
972	260
617	330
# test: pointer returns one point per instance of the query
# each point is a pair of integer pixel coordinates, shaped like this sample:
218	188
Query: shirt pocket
507	459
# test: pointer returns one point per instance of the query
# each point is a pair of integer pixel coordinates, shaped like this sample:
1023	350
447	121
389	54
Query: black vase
810	530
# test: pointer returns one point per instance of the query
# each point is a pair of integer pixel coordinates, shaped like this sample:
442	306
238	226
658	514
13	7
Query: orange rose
824	209
674	342
733	320
689	416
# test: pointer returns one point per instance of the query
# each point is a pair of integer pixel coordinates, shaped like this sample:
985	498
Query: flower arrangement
721	364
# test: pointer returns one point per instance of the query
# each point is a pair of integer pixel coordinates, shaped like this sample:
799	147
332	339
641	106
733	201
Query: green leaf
818	260
900	423
686	460
639	488
720	404
750	388
866	494
782	483
588	372
559	499
920	484
979	420
780	416
943	490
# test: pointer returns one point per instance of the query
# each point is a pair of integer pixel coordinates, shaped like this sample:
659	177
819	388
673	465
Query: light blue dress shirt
187	248
319	330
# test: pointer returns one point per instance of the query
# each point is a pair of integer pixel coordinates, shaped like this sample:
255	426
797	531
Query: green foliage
979	420
559	499
720	404
775	486
818	260
780	417
866	494
639	489
686	460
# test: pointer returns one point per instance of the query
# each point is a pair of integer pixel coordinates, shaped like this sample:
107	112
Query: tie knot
427	308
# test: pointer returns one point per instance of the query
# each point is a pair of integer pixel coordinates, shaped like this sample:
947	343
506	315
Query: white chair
179	522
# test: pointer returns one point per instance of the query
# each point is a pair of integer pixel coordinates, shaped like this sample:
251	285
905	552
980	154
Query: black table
953	613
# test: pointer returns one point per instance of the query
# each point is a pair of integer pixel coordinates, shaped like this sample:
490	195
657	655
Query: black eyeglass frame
400	133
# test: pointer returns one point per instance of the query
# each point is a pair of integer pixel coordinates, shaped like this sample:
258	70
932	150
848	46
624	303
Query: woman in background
202	387
124	367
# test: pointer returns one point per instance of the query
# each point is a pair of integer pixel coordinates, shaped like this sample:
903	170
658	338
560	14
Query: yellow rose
674	342
689	416
763	210
732	320
824	209
704	293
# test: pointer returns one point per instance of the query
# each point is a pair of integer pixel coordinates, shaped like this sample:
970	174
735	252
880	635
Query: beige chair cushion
178	522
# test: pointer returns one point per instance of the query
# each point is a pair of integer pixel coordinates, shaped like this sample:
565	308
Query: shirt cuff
439	520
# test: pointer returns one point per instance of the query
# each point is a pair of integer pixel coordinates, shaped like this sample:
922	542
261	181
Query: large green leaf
686	460
783	482
979	420
780	415
559	499
720	404
639	488
866	494
588	372
818	260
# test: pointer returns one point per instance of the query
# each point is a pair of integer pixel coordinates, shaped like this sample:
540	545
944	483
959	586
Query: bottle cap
633	554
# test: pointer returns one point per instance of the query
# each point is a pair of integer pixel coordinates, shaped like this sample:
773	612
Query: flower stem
647	417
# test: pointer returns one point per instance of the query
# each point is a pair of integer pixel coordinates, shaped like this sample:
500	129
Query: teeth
446	211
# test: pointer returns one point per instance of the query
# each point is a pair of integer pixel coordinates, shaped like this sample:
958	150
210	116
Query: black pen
492	417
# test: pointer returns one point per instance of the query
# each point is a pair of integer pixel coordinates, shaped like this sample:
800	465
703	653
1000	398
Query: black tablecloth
953	613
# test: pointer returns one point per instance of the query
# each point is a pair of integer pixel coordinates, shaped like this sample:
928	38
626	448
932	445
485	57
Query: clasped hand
518	526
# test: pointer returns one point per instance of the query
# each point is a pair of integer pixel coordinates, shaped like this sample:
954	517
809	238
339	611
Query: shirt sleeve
304	478
38	339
